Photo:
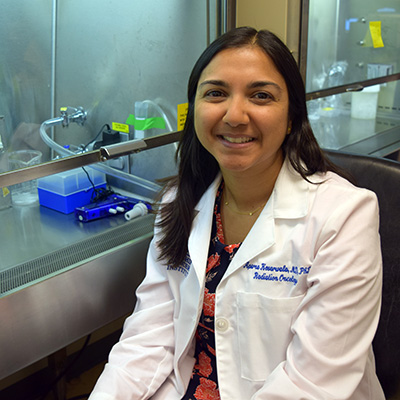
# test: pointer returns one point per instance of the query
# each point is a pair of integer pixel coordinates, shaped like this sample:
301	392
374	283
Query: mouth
238	140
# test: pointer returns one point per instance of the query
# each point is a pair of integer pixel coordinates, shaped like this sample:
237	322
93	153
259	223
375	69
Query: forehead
245	62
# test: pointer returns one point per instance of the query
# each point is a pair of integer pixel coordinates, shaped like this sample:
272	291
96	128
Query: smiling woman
264	275
242	119
246	88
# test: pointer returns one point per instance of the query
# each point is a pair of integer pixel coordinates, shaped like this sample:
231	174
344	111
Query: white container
365	103
72	181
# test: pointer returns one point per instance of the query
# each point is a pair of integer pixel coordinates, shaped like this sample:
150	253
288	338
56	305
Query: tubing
153	187
160	111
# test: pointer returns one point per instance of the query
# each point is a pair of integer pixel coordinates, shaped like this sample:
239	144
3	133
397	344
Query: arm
335	323
143	358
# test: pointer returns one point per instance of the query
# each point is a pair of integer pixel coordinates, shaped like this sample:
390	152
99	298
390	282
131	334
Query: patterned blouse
204	381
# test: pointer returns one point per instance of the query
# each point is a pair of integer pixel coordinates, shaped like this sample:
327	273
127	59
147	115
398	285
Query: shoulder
329	187
334	198
331	184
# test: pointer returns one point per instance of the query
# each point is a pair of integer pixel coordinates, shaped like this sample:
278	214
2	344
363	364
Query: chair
383	177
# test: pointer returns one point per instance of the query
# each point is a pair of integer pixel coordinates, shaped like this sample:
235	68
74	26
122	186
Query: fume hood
61	277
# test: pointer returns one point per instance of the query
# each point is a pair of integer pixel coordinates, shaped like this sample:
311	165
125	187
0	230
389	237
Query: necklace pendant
244	213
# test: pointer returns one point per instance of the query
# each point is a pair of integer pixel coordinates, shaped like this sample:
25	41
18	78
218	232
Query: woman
264	276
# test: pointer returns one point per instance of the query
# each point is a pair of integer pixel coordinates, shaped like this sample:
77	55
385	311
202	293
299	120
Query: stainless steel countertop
376	137
62	279
29	232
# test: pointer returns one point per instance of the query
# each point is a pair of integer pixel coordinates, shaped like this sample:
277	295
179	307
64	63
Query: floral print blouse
204	381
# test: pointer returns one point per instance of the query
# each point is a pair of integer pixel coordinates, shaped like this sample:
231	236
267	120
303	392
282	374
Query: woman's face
242	110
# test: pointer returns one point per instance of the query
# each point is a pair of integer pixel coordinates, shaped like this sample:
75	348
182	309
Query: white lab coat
295	312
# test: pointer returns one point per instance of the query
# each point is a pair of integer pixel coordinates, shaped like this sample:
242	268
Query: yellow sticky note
182	114
120	127
376	33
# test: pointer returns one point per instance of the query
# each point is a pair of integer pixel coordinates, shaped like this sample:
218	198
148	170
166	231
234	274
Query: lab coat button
221	325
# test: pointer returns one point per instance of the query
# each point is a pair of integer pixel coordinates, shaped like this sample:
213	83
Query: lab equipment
70	189
138	210
112	205
79	116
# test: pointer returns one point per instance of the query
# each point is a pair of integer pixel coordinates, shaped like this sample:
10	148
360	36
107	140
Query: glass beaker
5	196
24	193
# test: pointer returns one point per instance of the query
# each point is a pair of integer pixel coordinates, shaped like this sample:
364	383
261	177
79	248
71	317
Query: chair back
382	176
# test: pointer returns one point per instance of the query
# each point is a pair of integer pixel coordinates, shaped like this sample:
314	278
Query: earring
289	129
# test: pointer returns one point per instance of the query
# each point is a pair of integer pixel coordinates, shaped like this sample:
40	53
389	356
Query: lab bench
61	279
377	137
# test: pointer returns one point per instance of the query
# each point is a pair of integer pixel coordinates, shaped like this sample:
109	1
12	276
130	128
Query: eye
214	93
263	96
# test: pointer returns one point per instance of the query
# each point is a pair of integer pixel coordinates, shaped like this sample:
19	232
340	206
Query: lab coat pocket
263	332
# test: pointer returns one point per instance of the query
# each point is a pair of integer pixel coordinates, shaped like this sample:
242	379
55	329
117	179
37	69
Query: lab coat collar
290	194
289	200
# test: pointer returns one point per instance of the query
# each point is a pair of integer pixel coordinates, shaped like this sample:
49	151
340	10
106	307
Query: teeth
237	139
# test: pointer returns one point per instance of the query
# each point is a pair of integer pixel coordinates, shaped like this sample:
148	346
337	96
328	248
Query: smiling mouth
237	139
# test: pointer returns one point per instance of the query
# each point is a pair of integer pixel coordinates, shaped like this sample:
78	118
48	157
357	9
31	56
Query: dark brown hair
198	168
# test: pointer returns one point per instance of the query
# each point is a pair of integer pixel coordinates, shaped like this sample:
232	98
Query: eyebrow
214	82
253	85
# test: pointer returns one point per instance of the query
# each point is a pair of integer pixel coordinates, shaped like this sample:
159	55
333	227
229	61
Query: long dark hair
198	168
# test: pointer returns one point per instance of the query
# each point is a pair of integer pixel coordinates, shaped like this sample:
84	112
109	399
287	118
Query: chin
234	167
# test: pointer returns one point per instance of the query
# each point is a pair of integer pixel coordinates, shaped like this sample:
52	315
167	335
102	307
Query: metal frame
352	87
91	157
305	9
230	16
226	16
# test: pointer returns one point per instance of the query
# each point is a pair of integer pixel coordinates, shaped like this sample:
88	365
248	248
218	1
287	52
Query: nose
236	113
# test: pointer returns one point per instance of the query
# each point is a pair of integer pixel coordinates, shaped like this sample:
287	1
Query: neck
247	192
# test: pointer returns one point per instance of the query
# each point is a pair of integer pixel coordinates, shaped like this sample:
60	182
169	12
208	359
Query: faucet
78	115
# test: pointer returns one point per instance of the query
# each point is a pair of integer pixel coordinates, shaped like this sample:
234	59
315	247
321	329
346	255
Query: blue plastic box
67	190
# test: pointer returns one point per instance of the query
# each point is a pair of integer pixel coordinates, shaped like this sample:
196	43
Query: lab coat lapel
289	200
198	245
199	238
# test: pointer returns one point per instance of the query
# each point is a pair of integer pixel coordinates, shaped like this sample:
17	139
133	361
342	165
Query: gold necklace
244	213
